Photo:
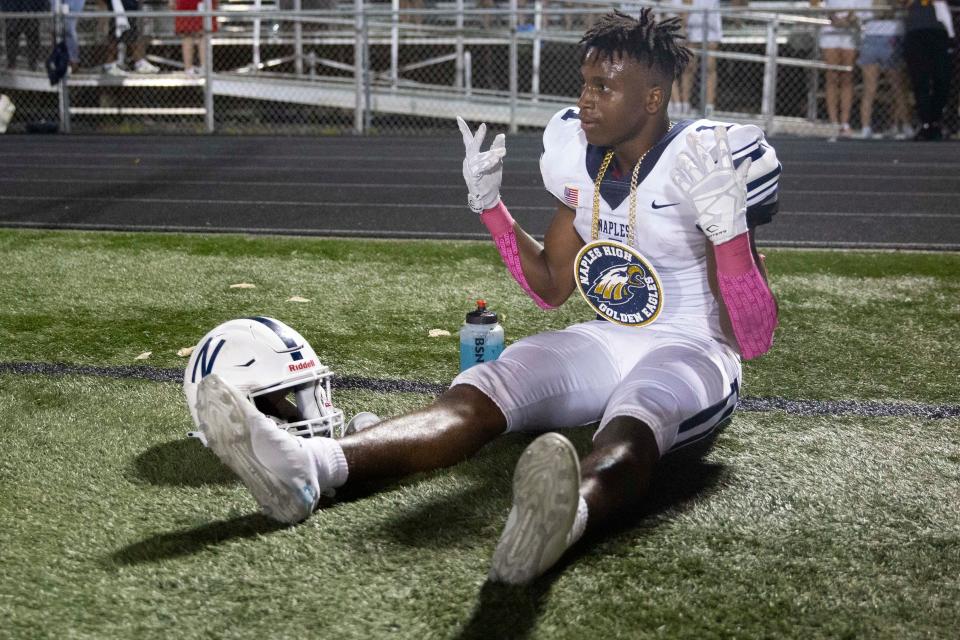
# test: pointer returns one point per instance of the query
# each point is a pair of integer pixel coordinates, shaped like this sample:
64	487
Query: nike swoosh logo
661	206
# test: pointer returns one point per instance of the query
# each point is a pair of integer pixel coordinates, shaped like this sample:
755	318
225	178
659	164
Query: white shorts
695	36
695	28
837	41
681	385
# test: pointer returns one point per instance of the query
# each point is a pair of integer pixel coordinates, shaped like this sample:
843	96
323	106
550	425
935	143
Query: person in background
191	32
28	27
881	51
74	8
408	5
486	19
6	112
929	30
572	20
839	47
696	21
951	118
131	37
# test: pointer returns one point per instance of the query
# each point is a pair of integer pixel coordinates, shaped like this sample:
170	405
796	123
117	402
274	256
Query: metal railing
368	68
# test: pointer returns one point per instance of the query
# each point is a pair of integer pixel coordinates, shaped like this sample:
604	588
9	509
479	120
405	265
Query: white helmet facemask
275	367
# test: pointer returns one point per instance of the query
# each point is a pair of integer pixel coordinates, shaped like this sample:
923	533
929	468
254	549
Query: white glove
717	189
482	170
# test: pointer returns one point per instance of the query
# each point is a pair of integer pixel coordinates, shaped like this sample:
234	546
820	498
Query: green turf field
112	525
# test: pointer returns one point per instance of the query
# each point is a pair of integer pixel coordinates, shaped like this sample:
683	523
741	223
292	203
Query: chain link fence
323	67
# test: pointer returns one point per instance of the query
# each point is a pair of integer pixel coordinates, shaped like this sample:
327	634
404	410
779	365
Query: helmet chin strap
310	402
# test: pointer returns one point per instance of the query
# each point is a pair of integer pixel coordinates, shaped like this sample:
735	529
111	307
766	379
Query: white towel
122	24
6	112
943	15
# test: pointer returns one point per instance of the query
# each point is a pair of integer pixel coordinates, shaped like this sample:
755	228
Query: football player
654	226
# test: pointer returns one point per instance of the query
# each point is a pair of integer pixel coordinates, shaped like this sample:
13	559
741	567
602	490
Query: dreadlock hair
656	44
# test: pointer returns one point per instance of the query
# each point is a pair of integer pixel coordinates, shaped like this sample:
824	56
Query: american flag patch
571	195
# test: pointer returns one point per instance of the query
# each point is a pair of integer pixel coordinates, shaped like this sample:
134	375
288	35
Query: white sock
330	461
579	523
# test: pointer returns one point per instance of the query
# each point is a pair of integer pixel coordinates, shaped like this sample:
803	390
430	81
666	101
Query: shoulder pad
564	146
562	128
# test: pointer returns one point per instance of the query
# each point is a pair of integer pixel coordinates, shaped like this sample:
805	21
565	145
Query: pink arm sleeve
749	301
500	224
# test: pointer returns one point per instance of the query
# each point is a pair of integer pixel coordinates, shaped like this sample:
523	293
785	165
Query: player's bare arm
549	267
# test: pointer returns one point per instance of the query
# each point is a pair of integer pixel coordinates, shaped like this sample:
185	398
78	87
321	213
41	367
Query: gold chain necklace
632	210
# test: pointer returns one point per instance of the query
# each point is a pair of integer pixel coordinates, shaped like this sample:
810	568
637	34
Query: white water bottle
481	337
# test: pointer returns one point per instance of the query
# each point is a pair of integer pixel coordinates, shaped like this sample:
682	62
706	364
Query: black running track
871	194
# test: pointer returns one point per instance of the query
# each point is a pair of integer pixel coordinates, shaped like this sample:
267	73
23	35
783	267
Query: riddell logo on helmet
300	366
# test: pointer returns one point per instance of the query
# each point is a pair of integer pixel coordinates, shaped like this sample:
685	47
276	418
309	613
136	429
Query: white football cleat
274	465
546	493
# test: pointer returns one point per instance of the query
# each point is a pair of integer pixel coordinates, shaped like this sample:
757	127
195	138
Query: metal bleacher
302	75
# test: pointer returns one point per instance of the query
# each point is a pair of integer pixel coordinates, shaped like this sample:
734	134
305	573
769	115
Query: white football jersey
667	234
